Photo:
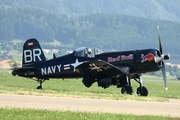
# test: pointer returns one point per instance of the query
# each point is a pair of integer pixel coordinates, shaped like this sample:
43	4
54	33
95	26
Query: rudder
32	52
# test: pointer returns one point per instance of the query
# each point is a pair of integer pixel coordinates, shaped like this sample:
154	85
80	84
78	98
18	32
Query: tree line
105	31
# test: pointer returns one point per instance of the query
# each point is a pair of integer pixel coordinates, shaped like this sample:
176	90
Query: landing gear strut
141	90
127	88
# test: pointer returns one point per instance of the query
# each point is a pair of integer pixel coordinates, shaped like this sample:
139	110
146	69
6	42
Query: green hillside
113	25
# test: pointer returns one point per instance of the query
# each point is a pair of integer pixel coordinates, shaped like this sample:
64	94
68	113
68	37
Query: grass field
30	114
75	88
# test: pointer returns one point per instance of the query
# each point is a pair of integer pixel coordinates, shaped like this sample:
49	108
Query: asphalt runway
171	108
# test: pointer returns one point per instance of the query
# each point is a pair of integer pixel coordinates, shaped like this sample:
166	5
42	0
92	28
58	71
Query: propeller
163	57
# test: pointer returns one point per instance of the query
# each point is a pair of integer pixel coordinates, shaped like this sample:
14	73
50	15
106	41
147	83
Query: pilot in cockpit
89	52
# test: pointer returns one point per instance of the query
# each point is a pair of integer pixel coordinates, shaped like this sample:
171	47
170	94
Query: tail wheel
142	91
40	80
39	87
127	89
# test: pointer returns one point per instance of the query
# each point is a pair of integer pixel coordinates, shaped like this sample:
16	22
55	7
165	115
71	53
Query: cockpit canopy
87	52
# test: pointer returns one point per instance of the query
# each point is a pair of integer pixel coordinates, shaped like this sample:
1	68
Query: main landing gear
127	88
141	90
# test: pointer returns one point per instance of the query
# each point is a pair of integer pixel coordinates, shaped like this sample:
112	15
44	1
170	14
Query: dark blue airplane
93	65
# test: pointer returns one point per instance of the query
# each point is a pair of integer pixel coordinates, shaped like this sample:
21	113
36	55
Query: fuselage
139	61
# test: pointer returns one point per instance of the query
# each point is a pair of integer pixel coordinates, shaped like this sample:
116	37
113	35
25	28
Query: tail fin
32	52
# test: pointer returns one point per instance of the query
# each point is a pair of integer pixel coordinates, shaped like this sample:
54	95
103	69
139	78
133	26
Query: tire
142	91
39	87
127	90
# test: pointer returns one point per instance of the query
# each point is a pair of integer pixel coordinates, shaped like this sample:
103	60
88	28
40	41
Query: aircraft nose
162	58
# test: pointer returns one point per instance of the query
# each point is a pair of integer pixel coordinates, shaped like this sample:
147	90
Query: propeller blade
164	75
160	46
163	57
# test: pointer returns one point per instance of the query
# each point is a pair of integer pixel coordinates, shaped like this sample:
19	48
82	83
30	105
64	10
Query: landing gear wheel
39	87
127	89
142	91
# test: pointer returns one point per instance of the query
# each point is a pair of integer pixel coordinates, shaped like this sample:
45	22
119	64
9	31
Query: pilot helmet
89	50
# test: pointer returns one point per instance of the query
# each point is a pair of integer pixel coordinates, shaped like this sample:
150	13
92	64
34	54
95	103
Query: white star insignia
76	64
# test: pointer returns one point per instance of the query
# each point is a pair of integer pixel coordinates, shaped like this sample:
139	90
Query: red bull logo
148	57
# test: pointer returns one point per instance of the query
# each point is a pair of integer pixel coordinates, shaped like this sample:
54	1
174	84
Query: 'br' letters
32	55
